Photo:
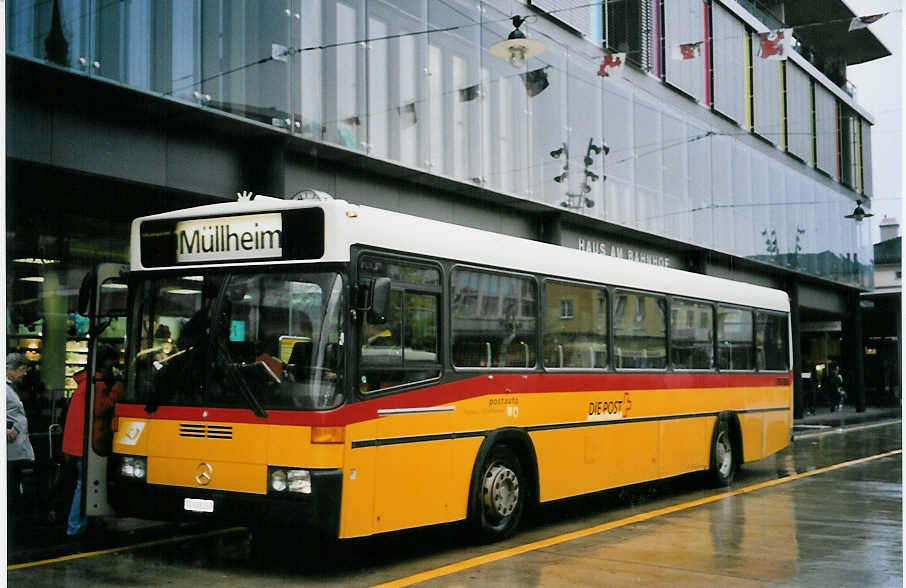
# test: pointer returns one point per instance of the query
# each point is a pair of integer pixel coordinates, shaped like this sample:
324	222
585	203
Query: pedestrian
831	386
106	392
811	390
19	452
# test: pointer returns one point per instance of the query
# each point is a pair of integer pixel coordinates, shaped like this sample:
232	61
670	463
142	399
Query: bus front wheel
499	496
723	455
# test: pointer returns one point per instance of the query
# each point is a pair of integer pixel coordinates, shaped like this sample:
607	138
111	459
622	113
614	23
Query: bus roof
349	224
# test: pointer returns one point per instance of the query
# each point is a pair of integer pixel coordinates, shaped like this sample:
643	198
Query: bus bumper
319	510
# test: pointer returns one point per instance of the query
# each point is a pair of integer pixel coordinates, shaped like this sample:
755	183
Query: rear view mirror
380	301
112	298
85	291
103	293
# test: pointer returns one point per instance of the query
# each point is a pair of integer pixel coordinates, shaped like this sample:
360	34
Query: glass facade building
753	158
697	153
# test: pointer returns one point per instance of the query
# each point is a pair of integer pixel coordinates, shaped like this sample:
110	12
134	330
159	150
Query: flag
535	81
775	45
685	51
862	22
407	114
612	65
469	93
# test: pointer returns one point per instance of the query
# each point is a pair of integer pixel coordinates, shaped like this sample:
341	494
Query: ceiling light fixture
517	48
858	213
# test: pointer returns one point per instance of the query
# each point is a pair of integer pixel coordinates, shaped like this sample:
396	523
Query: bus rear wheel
499	496
723	455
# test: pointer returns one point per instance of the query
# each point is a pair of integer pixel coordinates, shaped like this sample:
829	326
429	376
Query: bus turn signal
328	434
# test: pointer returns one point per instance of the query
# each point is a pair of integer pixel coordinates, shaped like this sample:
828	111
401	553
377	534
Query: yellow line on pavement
42	562
520	549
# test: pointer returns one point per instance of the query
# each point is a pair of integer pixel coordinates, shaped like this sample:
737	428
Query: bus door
103	298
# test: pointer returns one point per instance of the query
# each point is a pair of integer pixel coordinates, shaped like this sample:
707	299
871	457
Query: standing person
106	392
811	390
19	452
831	386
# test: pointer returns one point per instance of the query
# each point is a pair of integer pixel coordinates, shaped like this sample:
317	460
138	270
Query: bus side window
404	347
493	319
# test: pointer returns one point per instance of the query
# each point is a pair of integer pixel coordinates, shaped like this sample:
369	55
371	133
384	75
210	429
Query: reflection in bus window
403	348
640	331
494	318
239	340
734	339
691	335
575	326
772	342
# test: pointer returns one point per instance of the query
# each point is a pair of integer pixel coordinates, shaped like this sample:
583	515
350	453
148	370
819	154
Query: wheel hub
500	491
724	454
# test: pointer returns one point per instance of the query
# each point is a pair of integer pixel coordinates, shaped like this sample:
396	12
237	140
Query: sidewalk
823	417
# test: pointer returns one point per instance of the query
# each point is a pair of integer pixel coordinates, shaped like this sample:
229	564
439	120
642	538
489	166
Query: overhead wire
438	30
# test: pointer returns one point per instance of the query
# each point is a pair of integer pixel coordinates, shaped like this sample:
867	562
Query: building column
853	354
550	228
796	337
264	167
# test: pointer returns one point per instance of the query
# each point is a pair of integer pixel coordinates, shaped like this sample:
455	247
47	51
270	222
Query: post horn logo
204	473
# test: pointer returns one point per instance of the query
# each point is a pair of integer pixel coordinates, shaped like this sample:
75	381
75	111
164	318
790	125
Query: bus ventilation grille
205	431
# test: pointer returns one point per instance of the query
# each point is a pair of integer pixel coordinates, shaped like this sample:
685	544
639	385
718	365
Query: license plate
198	505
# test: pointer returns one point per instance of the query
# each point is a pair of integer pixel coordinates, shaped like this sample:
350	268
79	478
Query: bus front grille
202	431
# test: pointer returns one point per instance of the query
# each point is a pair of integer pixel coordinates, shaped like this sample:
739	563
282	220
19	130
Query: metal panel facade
729	63
867	187
575	13
684	26
768	100
799	112
826	130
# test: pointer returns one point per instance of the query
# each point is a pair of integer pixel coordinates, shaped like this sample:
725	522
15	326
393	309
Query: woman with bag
106	392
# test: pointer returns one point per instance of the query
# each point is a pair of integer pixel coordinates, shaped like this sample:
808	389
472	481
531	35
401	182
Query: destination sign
293	234
229	238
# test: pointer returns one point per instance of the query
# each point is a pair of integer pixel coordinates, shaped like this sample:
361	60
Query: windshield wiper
236	380
153	403
249	396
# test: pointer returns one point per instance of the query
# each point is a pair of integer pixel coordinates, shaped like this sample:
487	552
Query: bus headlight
134	467
289	480
299	481
278	480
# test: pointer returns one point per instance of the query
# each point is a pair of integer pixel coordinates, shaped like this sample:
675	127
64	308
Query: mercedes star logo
204	473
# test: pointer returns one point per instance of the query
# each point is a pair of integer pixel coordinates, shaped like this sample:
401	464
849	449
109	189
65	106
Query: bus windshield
260	341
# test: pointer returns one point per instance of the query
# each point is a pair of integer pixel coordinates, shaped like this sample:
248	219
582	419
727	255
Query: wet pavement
840	527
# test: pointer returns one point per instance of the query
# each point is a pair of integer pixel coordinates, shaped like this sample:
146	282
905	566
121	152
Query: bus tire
724	456
499	495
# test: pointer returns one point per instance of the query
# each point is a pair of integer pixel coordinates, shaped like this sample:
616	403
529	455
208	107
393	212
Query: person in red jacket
107	390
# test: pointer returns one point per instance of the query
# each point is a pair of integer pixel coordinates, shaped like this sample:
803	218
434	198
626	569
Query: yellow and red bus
352	370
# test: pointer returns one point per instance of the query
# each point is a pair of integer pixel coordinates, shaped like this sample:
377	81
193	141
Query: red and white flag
775	45
862	22
685	51
612	65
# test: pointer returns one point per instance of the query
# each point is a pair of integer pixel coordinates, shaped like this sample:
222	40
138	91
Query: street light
517	48
578	200
858	213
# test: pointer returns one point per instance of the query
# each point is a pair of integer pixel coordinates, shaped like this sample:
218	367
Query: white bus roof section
349	224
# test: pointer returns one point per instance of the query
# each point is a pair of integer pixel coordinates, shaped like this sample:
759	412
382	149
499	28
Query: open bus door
103	299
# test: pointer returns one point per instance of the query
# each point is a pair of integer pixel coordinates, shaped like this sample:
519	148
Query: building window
566	309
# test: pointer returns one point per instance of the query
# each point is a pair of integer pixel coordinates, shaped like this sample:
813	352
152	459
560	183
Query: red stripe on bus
483	385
